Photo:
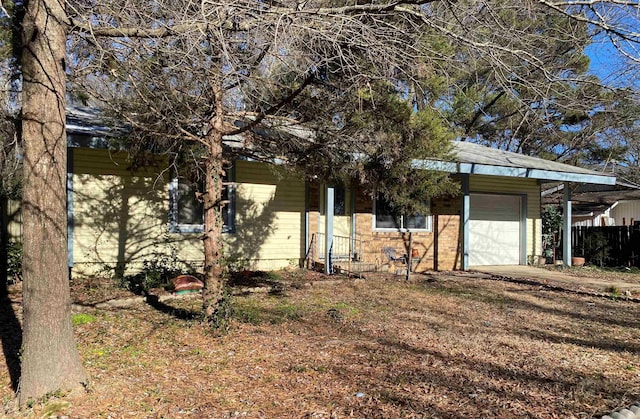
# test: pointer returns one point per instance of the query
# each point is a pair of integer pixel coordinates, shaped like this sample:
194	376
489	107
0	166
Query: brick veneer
441	251
446	222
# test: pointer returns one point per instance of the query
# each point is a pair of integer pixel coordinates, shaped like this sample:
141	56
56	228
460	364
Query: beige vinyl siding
506	185
13	219
121	217
269	219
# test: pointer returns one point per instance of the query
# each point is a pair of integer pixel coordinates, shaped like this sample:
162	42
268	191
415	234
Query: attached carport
494	223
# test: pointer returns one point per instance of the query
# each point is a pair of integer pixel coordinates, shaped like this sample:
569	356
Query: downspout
566	226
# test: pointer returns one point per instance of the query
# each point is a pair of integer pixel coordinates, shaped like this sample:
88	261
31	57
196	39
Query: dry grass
439	346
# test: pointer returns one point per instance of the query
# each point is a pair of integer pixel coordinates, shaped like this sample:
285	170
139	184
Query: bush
596	249
14	261
220	320
551	222
155	273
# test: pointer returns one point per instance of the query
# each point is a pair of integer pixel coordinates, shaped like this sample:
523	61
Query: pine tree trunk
50	359
213	286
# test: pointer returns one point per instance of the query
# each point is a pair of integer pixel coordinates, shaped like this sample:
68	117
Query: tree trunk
213	286
50	359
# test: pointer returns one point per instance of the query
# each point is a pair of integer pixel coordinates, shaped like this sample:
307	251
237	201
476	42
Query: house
122	219
599	205
495	221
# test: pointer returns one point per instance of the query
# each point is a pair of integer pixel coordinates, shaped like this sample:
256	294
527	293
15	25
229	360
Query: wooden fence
606	246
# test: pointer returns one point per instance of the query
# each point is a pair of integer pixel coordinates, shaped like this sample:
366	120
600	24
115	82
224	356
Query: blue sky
604	60
609	65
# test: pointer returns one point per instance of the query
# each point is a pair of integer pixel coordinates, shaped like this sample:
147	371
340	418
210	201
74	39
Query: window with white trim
186	213
386	218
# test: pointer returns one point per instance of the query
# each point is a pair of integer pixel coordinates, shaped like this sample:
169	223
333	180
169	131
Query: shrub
551	222
155	273
596	248
14	261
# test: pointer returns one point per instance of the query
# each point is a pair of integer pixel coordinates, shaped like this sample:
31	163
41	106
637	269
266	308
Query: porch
346	255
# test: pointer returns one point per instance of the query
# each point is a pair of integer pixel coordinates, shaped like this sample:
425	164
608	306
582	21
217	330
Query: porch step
356	267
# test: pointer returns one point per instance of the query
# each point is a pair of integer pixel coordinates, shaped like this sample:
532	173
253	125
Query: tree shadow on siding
130	213
441	224
254	224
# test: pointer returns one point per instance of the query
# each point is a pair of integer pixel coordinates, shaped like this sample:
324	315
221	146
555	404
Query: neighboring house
600	205
120	219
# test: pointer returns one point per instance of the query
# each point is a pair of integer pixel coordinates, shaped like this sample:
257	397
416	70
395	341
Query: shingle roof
471	153
91	121
478	159
470	158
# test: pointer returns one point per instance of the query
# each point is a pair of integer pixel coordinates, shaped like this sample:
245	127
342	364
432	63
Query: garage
495	229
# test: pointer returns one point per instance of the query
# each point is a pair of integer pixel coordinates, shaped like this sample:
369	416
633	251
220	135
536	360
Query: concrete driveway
621	281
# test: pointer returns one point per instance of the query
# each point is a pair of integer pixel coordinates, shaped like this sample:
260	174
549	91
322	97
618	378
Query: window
386	218
339	201
187	211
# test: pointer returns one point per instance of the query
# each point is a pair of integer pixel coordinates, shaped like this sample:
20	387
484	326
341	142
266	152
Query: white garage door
494	229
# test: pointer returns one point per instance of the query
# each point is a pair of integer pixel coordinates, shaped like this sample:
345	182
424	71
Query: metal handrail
342	247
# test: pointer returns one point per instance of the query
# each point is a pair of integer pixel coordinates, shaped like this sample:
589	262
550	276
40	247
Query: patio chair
390	254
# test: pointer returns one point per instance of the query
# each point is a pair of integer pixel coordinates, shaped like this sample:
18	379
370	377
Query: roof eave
516	172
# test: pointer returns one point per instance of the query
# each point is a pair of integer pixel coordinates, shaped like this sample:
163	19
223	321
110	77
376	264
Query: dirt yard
442	345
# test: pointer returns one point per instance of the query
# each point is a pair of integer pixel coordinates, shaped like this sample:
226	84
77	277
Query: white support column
465	222
328	229
566	226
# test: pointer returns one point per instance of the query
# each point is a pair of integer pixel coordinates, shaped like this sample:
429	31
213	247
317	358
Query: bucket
577	261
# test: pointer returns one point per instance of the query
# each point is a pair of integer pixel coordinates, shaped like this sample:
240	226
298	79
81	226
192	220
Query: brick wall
433	251
446	222
375	241
448	246
441	251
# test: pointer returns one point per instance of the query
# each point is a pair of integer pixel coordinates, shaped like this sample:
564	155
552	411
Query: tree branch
284	101
139	32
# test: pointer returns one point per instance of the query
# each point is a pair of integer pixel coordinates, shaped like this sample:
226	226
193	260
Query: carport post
566	226
328	229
